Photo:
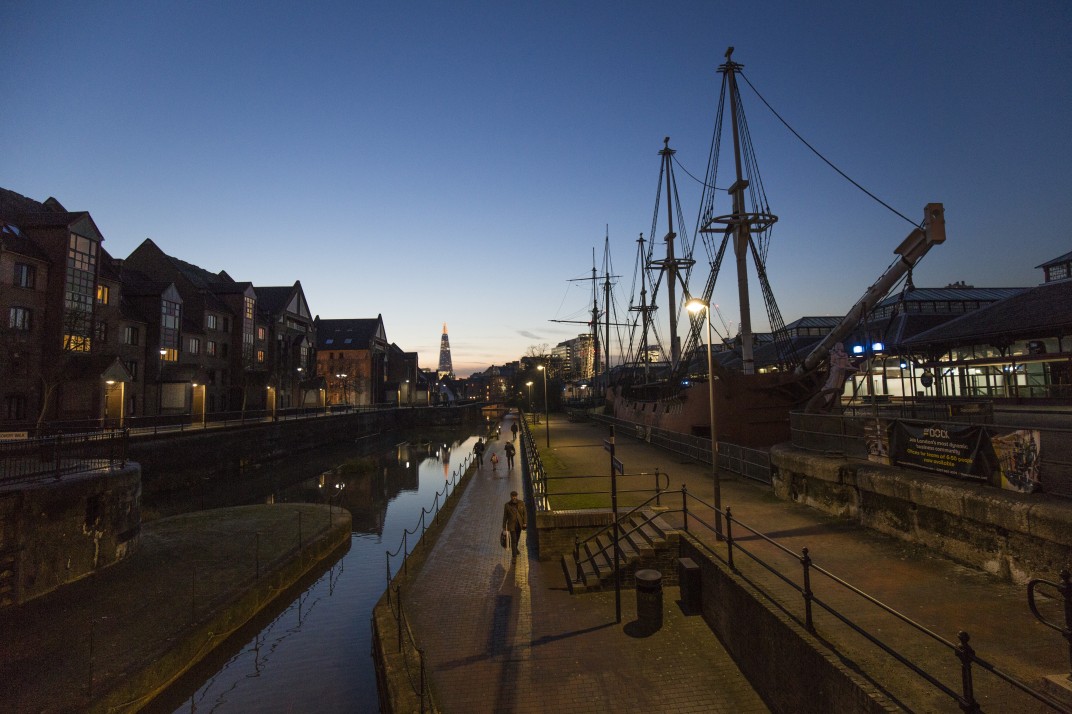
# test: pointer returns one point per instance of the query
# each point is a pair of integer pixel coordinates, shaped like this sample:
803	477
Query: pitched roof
1059	259
1042	311
346	334
273	300
958	293
12	240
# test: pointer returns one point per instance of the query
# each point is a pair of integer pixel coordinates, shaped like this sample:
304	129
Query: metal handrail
963	651
54	456
662	484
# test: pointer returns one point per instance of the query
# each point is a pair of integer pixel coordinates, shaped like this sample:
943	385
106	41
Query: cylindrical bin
649	599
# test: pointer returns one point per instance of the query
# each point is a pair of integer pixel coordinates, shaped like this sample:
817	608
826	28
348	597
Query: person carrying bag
513	521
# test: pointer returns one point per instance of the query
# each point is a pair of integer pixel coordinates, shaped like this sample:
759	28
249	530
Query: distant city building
446	369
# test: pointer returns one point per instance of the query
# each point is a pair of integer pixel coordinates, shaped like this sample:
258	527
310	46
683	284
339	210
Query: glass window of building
170	313
20	318
25	275
79	293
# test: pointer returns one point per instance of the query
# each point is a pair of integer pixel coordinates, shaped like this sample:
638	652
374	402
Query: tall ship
662	380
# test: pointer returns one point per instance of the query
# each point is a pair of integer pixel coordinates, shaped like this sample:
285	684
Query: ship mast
743	223
741	237
671	265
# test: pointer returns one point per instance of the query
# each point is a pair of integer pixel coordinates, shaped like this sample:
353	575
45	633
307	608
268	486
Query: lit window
25	275
76	343
170	354
170	313
260	355
130	335
210	322
194	346
102	294
20	318
210	348
261	334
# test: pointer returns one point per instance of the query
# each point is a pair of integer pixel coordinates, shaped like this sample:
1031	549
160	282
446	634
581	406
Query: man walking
510	451
513	430
479	451
514	520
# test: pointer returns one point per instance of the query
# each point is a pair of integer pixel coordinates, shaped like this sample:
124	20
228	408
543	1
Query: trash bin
649	599
688	577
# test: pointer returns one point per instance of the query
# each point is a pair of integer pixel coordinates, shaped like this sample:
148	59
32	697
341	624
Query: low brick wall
1013	535
766	645
556	530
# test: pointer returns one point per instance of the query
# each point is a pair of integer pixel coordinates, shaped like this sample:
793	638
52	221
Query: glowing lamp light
857	349
878	347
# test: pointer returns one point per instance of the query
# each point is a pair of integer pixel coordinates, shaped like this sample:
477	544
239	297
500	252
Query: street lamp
546	411
341	377
529	385
695	306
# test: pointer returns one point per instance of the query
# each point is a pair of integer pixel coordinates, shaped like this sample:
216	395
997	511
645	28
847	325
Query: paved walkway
502	634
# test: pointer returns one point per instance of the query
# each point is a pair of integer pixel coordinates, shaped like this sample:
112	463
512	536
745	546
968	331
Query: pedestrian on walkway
510	451
479	451
513	430
514	520
494	460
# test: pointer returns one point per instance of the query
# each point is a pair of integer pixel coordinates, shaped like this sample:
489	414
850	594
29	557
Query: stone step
642	535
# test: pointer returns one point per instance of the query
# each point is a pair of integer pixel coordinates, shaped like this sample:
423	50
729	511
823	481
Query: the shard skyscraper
446	369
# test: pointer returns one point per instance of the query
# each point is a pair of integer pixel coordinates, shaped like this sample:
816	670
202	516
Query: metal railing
51	457
661	483
961	652
403	551
532	467
186	421
411	653
753	464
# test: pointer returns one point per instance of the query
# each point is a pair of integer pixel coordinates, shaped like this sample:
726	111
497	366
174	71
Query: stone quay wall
55	532
179	459
1013	535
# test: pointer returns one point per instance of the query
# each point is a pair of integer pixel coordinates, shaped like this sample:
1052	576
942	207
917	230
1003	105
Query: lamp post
529	385
160	382
341	376
694	306
546	410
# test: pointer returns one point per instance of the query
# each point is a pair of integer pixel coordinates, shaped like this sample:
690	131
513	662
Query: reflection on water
312	654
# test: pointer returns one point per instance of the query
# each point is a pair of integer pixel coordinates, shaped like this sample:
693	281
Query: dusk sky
458	162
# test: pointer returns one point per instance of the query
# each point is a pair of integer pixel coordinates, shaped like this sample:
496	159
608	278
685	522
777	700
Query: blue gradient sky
458	162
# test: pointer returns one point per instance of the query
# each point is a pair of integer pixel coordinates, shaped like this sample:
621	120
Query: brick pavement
932	590
502	634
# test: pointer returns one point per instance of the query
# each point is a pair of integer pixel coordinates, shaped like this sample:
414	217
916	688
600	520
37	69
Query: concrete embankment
111	642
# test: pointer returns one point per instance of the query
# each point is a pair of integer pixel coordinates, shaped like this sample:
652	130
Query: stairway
644	535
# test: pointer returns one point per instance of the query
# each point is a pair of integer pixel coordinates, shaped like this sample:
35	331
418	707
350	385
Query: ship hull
750	410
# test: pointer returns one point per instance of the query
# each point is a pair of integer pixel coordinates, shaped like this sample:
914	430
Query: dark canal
311	652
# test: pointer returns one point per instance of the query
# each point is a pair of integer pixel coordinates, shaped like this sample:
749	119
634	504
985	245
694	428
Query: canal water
312	652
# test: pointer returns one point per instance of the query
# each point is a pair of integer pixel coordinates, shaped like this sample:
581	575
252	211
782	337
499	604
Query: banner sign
941	448
1017	455
1011	459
